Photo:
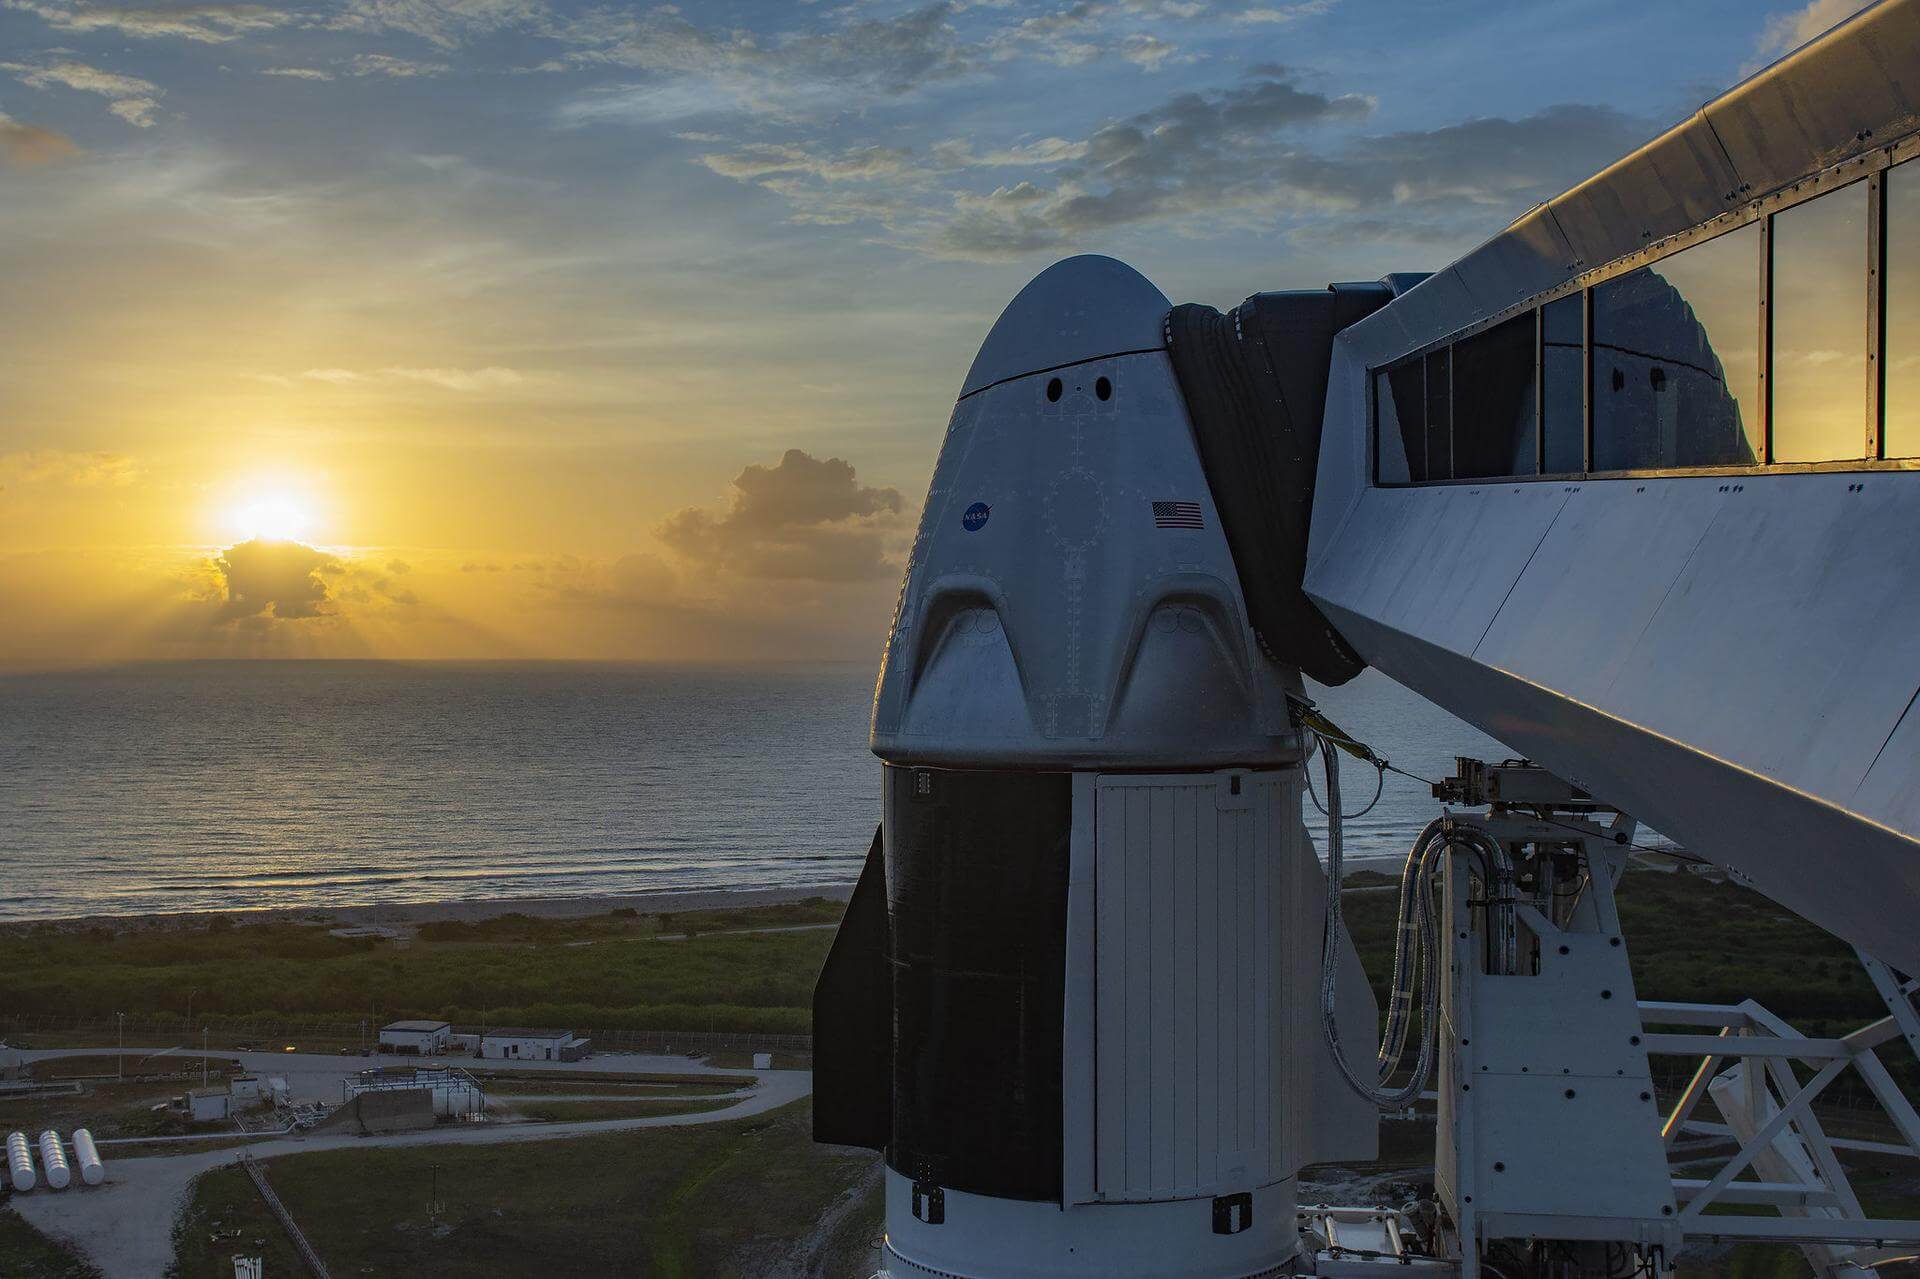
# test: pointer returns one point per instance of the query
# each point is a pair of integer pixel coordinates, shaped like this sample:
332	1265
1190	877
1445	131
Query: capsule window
1103	388
1053	390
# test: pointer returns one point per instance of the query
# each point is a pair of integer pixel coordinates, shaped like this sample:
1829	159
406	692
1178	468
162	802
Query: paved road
125	1226
318	1076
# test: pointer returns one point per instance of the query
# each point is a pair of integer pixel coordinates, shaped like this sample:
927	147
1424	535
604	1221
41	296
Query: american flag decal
1177	515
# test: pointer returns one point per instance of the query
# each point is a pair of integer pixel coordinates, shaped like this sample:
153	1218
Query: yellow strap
1335	734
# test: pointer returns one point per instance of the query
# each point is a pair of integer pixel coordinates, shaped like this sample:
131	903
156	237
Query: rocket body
1102	914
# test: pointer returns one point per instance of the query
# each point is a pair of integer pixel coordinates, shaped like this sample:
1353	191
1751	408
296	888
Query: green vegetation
515	970
639	1092
598	1081
179	1071
1690	940
25	1253
714	1199
602	1108
107	1110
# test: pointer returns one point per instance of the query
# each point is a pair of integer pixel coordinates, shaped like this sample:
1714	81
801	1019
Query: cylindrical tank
54	1159
87	1155
20	1162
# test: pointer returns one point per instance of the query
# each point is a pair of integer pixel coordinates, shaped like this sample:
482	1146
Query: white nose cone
1071	601
1078	309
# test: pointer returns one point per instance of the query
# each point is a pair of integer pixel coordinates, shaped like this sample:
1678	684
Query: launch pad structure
1093	996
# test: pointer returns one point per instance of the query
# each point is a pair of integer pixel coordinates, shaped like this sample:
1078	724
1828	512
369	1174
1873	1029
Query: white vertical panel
1110	1000
1136	1025
1079	1047
1186	1130
1206	897
1192	995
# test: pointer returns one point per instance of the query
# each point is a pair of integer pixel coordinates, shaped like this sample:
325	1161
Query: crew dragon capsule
1075	997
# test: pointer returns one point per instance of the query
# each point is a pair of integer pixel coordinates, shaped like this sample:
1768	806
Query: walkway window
1675	359
1494	423
1901	351
1563	369
1819	366
1440	414
1400	401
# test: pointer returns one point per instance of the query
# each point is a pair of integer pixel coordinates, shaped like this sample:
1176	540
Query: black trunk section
853	1021
977	894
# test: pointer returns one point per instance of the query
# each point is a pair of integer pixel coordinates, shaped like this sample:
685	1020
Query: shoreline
400	916
404	917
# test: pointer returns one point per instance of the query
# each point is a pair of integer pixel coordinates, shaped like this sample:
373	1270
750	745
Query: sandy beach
404	916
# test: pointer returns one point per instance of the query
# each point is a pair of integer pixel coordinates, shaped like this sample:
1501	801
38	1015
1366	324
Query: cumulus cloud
28	146
1198	156
1262	153
131	98
1794	28
447	23
764	159
1148	51
299	73
803	519
383	64
61	467
957	153
1283	13
203	23
274	579
887	55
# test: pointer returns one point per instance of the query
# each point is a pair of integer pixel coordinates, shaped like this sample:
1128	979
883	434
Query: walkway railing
315	1266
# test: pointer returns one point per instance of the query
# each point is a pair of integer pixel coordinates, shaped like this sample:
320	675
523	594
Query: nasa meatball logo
975	518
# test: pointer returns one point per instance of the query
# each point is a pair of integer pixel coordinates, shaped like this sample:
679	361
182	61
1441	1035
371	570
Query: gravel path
125	1226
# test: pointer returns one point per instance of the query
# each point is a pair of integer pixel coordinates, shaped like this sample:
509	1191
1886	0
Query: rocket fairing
1075	996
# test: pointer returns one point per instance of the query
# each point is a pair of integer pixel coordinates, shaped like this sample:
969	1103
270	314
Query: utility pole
120	1062
203	1056
433	1195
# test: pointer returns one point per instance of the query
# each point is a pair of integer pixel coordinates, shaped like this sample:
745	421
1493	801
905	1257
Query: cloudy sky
524	328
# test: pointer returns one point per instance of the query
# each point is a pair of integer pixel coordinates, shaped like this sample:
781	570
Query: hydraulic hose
1415	958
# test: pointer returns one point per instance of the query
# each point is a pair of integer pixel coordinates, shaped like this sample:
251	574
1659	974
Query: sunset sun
271	517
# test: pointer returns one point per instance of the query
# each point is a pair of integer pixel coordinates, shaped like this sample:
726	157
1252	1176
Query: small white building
420	1038
522	1043
204	1104
245	1088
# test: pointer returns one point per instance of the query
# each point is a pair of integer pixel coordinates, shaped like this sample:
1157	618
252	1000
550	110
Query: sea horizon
240	784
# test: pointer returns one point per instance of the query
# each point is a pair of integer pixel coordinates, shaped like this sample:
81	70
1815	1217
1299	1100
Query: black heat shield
1255	382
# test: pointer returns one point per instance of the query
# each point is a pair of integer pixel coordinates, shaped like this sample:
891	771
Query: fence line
663	1042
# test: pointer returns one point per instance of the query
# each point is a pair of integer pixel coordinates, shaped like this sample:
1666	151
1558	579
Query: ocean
246	785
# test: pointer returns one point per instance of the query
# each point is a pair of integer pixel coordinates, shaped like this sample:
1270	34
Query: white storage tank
87	1155
20	1162
54	1160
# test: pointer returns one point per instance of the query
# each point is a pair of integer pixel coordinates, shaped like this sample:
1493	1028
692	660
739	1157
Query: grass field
638	1092
107	1110
571	1111
604	972
1690	939
25	1253
731	1199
